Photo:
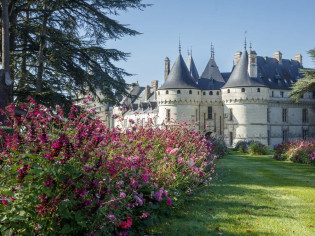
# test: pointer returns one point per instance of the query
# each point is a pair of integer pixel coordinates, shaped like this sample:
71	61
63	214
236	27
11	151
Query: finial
245	40
190	50
212	51
250	45
179	46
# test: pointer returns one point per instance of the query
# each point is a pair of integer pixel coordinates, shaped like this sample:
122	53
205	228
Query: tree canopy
58	49
305	84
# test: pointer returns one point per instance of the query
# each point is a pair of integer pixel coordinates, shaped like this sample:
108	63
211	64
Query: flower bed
75	176
300	151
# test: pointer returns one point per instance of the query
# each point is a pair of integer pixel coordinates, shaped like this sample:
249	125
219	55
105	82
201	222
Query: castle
249	103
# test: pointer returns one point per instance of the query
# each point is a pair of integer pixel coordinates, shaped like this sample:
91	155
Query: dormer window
166	92
243	90
218	93
258	90
190	92
281	94
210	93
178	91
228	91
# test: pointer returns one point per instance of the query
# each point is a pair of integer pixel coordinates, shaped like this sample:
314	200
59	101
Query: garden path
253	195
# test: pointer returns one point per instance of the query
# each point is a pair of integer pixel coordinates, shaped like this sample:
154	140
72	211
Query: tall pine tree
58	49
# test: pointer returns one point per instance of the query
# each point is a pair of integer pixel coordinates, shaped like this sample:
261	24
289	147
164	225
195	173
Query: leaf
66	229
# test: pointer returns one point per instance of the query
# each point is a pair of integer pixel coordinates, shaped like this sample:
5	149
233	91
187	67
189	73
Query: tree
305	84
58	49
5	80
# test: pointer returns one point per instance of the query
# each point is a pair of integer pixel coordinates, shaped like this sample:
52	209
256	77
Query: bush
242	146
300	151
257	148
74	176
219	147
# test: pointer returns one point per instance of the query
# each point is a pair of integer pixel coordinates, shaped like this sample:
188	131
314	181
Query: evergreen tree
58	49
305	84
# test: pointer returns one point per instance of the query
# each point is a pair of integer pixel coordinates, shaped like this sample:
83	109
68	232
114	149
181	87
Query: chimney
298	58
167	68
252	64
237	57
155	85
147	93
278	55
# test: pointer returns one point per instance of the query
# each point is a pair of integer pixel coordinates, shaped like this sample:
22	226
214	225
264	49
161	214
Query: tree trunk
5	80
42	46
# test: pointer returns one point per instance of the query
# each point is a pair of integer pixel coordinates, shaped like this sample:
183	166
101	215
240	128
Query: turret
298	58
167	68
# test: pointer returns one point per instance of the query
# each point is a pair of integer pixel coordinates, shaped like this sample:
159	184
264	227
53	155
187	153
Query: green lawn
253	195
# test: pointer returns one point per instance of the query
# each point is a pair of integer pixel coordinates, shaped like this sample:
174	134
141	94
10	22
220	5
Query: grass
253	195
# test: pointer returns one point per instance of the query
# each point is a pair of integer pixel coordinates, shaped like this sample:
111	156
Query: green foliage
257	148
305	84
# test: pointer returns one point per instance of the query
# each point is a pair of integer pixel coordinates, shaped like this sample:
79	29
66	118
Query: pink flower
145	178
122	195
38	227
111	217
169	201
158	195
145	215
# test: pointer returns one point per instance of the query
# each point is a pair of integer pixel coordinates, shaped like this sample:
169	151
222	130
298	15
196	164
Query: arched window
218	93
258	90
243	90
210	93
204	93
190	92
228	91
178	91
166	92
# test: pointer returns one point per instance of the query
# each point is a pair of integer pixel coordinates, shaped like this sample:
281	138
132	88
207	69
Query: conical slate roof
192	68
179	77
211	77
240	77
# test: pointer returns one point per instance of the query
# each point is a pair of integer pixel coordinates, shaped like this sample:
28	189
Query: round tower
245	106
179	97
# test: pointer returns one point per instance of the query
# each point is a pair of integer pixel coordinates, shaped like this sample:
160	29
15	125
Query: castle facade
249	103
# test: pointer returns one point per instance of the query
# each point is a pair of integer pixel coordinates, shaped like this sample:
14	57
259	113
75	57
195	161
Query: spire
190	50
188	53
250	46
245	41
212	51
179	47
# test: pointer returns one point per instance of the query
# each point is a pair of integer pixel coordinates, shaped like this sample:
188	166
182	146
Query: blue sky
271	25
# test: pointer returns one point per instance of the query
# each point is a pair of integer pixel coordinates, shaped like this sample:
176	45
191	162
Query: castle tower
179	97
192	67
245	105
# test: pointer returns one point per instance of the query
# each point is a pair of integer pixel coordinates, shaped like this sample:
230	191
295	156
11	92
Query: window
304	133
196	115
215	122
258	90
313	95
304	115
284	135
178	91
190	92
204	93
272	94
243	90
218	93
228	91
220	125
198	92
210	113
268	115
281	94
166	92
125	123
168	115
210	93
302	96
284	115
268	137
230	114
231	138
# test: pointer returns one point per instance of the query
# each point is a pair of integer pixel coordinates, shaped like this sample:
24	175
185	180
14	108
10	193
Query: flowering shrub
300	151
257	148
75	176
219	146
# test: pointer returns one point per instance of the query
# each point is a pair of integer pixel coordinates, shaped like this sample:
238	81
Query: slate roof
192	68
277	75
141	107
211	77
179	77
240	77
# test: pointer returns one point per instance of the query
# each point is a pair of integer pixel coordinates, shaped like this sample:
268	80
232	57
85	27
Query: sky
271	25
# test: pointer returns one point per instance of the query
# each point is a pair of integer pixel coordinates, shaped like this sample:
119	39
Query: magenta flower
169	201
